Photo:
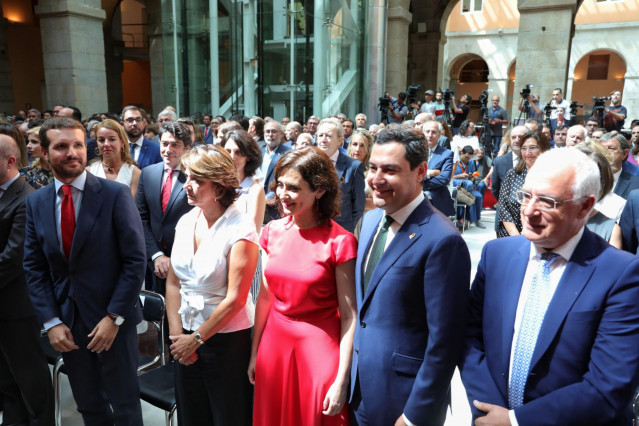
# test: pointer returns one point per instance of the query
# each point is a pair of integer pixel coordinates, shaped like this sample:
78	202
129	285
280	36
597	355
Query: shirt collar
8	183
401	215
335	156
515	158
139	141
616	175
565	251
78	183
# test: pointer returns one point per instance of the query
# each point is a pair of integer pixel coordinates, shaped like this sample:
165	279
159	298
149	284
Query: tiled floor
459	416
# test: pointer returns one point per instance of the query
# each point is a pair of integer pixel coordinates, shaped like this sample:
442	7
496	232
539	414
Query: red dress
298	356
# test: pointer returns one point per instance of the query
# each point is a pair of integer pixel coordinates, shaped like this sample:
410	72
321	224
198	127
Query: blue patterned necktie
377	250
533	316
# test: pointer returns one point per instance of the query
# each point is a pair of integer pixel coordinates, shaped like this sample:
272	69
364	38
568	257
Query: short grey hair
169	112
623	142
335	122
577	128
587	178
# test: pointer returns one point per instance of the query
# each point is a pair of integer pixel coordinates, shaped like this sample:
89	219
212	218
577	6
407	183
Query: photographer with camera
397	108
529	104
429	105
461	110
615	115
497	117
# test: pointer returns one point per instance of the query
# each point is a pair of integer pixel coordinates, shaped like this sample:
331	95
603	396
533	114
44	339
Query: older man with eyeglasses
553	324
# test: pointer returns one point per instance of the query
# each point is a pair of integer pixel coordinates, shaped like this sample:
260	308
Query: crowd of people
315	273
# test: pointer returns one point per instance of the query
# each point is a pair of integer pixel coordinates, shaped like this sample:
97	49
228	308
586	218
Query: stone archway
469	74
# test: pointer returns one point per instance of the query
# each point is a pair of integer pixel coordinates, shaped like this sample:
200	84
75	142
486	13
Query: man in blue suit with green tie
412	278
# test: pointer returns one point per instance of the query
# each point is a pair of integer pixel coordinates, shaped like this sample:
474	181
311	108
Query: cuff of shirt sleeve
513	418
51	323
156	255
408	422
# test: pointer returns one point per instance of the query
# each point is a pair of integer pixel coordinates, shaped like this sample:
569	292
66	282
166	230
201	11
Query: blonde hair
125	152
211	163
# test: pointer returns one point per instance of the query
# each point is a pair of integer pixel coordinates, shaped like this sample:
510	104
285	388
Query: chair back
153	311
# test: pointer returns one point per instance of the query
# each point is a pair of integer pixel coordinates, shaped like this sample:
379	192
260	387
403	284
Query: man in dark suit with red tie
161	200
84	260
25	381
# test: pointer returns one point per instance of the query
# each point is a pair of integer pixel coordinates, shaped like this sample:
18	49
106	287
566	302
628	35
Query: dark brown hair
542	143
316	169
248	148
58	123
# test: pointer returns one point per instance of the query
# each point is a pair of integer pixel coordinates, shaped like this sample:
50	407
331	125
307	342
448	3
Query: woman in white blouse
210	315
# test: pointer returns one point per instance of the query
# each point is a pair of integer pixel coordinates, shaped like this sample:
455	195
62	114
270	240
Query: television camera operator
461	110
397	108
615	114
529	103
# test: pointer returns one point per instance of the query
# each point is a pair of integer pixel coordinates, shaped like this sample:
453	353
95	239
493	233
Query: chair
456	203
153	312
54	358
635	408
157	386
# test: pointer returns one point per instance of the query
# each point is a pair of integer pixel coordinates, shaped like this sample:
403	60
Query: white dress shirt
203	275
557	269
138	147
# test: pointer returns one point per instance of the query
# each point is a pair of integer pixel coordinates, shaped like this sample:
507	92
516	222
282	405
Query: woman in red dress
305	314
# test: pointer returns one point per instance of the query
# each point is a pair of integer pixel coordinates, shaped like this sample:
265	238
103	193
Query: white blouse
204	275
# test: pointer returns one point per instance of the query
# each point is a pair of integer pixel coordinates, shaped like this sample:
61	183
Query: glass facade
273	58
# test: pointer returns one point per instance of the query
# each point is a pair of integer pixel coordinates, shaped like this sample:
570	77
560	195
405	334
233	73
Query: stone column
73	53
6	85
399	19
156	54
543	46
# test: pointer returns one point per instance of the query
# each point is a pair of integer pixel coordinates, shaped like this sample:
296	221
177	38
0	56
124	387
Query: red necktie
67	220
166	189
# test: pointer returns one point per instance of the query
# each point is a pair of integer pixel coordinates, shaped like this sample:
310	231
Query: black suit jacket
626	183
14	297
160	227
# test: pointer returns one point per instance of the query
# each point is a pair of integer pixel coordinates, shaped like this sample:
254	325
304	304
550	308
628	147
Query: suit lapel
89	213
622	183
9	195
155	186
175	193
402	241
143	149
47	219
575	277
340	167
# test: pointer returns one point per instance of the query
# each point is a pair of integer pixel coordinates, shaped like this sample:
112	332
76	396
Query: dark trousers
25	381
215	391
105	385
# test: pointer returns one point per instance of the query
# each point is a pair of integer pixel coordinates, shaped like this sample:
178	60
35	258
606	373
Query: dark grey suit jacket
14	297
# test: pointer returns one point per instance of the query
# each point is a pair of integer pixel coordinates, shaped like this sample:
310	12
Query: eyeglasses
529	148
547	204
132	120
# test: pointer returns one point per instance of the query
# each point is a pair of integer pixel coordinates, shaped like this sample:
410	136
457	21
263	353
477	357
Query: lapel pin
342	180
411	236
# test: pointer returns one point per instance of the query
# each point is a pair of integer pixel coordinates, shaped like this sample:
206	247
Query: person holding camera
531	107
398	108
615	115
461	111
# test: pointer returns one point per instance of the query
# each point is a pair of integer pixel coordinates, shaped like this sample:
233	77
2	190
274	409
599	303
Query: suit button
363	324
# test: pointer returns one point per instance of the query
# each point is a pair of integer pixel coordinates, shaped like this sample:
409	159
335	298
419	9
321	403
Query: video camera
574	106
411	93
384	103
448	94
525	92
600	102
483	98
548	109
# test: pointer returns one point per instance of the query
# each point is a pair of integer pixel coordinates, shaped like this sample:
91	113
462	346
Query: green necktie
377	250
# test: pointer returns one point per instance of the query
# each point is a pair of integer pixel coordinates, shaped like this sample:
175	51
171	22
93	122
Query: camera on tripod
600	102
548	109
384	103
525	92
483	98
411	93
574	106
448	94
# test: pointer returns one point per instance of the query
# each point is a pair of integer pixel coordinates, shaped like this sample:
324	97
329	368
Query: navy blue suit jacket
159	228
442	160
208	138
629	223
268	178
149	153
410	328
629	167
105	270
626	183
350	173
585	364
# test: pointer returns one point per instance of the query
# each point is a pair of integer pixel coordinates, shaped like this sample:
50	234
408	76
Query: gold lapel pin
342	180
412	236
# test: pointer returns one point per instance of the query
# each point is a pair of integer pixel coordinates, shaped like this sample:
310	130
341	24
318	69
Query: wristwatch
198	337
117	320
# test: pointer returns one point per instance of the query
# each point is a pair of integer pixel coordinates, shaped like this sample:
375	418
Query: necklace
111	168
